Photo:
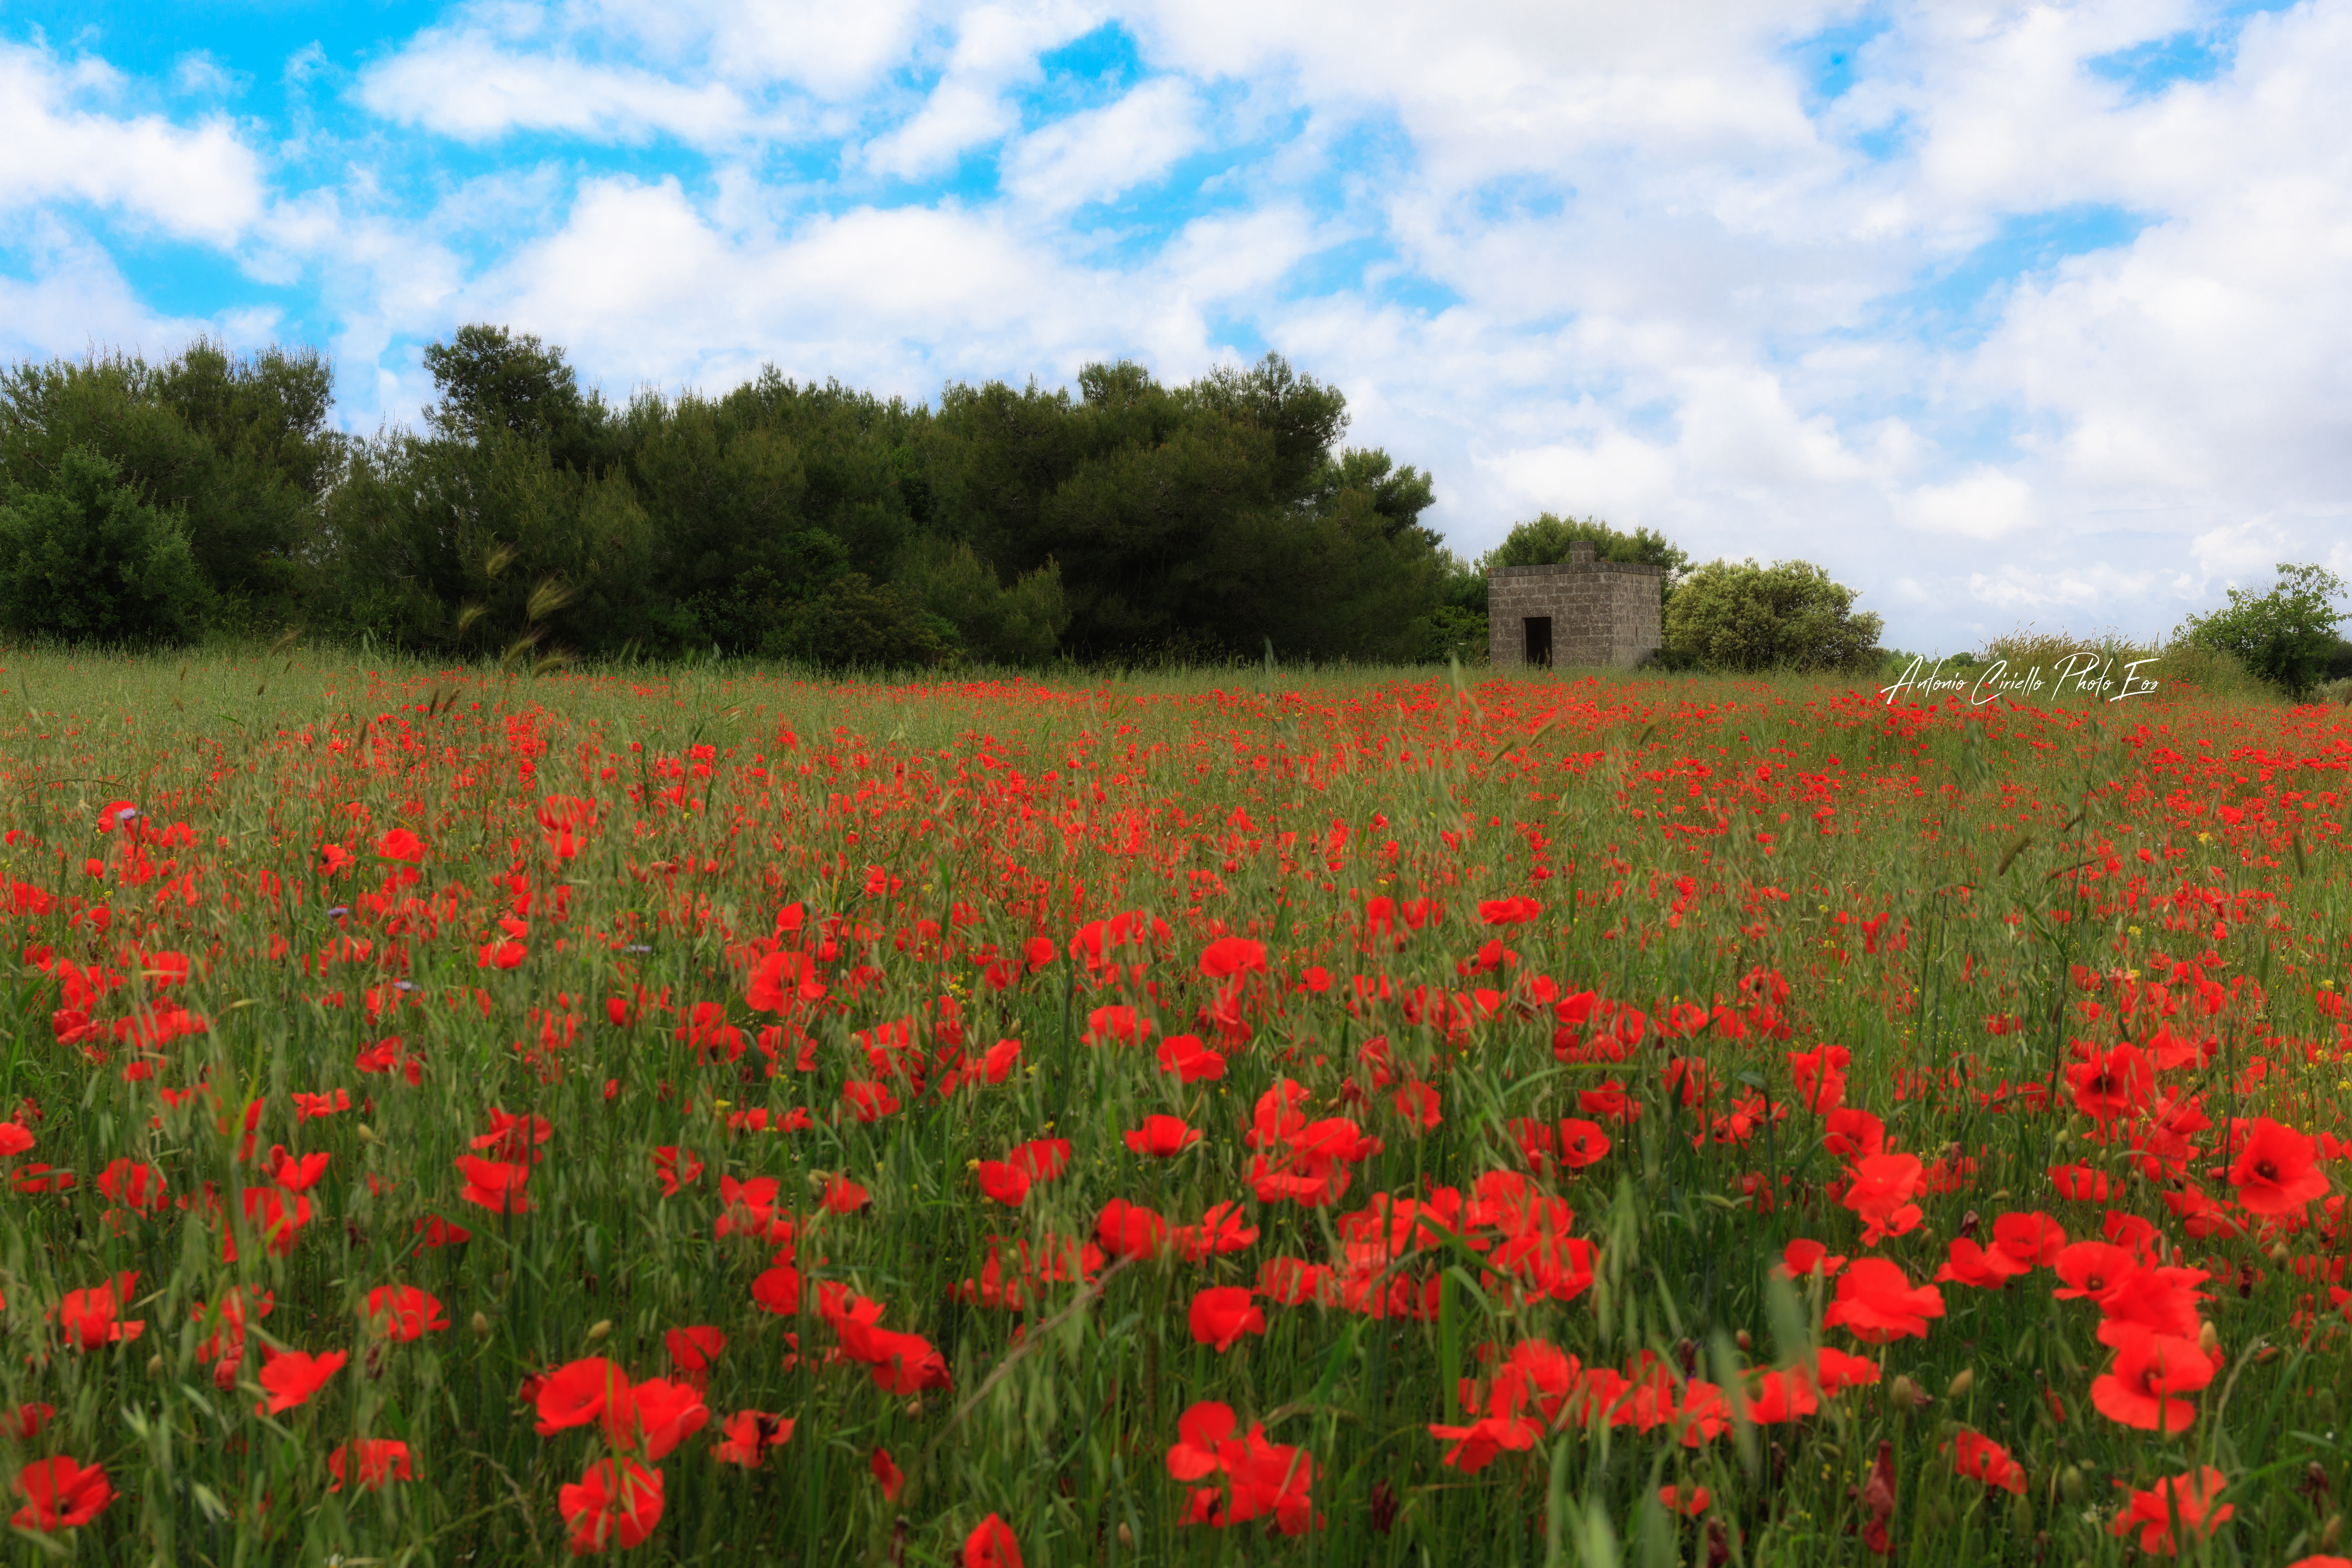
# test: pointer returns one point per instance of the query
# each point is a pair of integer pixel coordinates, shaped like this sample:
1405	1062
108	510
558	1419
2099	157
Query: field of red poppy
454	1117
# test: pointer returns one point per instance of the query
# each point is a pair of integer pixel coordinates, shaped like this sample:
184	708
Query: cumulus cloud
1094	155
199	181
470	84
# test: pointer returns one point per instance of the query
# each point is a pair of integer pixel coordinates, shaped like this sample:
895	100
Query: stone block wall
1601	612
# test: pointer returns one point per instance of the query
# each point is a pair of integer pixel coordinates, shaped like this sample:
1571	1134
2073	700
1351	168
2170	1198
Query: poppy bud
1126	1537
2331	1532
2207	1337
155	1366
599	1330
481	1325
2020	1516
2278	1252
2070	1483
1905	1394
1746	1343
1962	1380
367	1133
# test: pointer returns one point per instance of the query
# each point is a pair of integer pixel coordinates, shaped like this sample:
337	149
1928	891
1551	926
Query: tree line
529	513
530	516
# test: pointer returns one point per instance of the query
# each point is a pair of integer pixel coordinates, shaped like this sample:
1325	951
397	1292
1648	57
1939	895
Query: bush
89	561
1020	624
1789	616
2287	635
857	623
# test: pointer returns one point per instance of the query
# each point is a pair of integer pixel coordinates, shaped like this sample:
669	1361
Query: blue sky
2021	314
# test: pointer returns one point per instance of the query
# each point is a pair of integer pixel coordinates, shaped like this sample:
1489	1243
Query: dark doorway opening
1537	646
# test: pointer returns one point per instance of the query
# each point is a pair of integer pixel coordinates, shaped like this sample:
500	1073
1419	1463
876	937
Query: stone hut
1586	612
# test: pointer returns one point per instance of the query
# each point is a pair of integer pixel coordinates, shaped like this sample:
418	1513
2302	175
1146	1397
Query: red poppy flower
60	1494
2145	1387
2091	1269
1043	1158
991	1545
746	1436
404	1313
381	1459
134	1185
494	1184
1117	1022
2033	1240
1879	1189
1876	1303
1691	1501
843	1196
616	1498
1801	1256
1184	1055
778	1291
1223	1228
2277	1171
1127	1230
869	1100
88	1319
675	1168
2079	1182
666	1415
1222	1314
997	1064
1162	1136
296	1174
887	1473
1419	1105
1200	1434
400	844
2163	1299
1480	1443
2118	1083
15	1139
1834	1369
291	1377
691	1351
1980	1458
580	1392
2185	1501
1002	1181
1986	1269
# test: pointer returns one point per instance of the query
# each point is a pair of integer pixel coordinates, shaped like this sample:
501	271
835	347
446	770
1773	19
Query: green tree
2287	635
1788	615
89	560
236	446
1545	542
491	380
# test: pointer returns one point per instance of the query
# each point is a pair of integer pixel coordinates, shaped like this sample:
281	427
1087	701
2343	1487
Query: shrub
857	623
2287	635
1788	615
1019	624
88	560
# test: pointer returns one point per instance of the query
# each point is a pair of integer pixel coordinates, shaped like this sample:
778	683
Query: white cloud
74	301
996	45
199	182
1987	504
1094	155
469	85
